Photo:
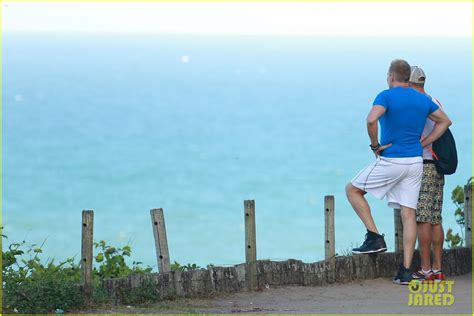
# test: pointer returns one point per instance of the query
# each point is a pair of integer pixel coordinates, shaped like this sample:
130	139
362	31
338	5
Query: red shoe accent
437	276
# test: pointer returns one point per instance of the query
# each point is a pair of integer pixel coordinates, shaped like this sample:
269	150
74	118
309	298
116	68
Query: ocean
123	123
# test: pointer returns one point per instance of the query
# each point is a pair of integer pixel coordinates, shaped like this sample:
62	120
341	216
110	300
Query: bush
112	262
30	286
33	286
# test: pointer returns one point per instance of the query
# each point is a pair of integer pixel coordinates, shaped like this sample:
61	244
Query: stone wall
344	269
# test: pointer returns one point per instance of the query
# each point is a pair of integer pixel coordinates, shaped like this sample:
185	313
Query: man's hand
442	123
379	150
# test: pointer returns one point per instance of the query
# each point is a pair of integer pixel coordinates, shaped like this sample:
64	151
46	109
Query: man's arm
372	123
442	123
372	128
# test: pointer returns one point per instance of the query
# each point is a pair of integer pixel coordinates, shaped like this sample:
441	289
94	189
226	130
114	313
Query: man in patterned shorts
430	201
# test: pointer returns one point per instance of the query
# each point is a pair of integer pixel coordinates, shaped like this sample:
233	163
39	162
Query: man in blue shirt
396	172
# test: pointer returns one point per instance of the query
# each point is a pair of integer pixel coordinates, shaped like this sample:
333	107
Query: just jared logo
430	293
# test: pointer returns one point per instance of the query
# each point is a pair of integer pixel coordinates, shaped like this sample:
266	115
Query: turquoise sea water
124	123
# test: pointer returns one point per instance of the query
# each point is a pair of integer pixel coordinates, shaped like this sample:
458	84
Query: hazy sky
349	19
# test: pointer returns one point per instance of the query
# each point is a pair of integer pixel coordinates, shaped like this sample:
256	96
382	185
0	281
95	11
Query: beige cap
417	75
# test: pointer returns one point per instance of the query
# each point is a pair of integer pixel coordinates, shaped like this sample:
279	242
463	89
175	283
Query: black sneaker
404	275
373	243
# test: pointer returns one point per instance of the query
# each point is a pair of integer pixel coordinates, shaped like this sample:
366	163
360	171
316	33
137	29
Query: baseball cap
417	75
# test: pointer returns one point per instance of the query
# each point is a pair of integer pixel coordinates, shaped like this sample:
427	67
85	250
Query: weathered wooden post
468	214
250	244
86	253
329	245
161	242
397	220
329	238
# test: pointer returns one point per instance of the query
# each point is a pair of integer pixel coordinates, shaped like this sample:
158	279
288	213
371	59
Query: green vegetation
178	267
112	262
33	285
457	196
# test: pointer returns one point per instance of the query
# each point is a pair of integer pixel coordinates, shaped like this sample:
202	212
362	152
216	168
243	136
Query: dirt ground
370	296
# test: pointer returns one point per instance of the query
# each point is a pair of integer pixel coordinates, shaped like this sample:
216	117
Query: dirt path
370	296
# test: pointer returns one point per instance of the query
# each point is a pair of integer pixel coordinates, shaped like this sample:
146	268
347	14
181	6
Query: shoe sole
420	279
400	282
369	252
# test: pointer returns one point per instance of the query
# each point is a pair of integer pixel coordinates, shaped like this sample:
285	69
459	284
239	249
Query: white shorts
399	179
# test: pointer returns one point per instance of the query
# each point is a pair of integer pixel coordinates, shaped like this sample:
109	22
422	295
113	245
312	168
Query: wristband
374	148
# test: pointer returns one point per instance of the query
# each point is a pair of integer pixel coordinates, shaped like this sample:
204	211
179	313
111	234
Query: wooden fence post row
161	242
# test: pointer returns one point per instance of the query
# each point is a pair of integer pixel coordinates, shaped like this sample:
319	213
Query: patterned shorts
430	201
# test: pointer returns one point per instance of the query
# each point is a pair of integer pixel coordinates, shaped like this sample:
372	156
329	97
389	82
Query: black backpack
445	154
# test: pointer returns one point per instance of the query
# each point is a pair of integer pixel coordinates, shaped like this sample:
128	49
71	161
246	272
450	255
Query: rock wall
344	269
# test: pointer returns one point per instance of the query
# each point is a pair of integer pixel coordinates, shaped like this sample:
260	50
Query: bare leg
361	207
438	240
424	244
409	234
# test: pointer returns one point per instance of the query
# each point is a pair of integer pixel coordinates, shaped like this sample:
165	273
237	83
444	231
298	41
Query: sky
324	19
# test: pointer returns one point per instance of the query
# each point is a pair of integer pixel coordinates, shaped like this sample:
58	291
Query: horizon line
151	32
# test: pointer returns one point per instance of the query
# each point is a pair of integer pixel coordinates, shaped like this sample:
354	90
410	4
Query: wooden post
468	214
161	242
329	238
86	253
329	245
250	244
397	219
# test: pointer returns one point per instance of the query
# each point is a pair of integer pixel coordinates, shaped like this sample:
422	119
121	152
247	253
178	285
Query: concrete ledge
344	269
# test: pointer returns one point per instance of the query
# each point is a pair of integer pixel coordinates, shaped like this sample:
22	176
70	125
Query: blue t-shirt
406	111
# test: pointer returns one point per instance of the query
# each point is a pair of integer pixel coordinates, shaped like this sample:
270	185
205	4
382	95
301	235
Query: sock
372	234
403	266
425	272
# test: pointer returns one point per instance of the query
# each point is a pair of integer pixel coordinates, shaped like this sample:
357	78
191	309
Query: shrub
30	286
33	286
112	261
